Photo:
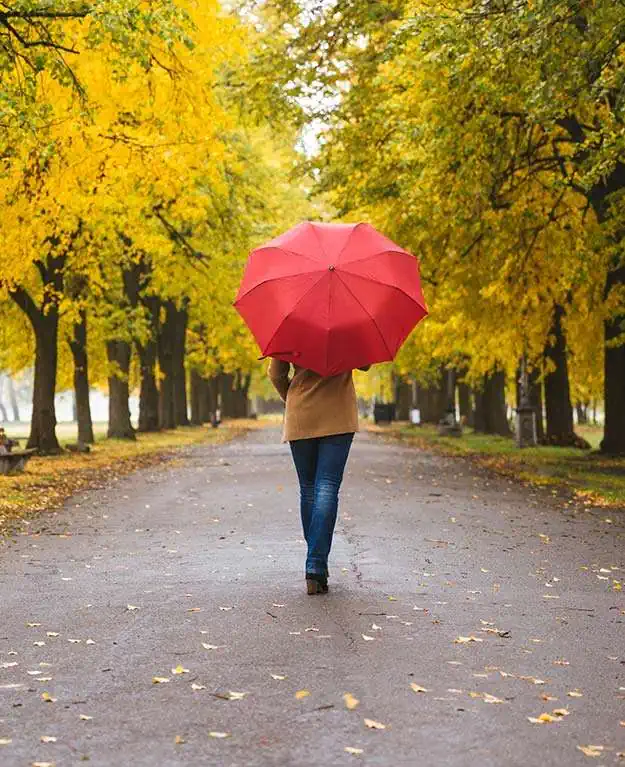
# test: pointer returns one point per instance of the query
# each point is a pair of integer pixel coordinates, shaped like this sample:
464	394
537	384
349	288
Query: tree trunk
148	392
78	346
166	341
197	395
535	396
45	323
226	386
560	430
13	400
136	277
479	412
403	398
600	197
241	395
118	353
614	373
43	423
464	403
581	410
206	407
233	391
213	401
490	406
148	354
432	402
181	319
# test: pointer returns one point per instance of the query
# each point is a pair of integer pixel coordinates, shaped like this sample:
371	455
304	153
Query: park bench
15	461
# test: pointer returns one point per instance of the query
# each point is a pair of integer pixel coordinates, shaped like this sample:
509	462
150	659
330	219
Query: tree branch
178	237
78	14
25	302
34	43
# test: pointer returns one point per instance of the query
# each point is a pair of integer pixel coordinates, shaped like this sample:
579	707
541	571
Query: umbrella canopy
331	297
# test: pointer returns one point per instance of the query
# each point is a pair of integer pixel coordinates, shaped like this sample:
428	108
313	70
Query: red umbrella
331	297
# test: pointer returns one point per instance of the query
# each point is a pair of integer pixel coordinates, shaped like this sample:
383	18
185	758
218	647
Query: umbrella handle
265	356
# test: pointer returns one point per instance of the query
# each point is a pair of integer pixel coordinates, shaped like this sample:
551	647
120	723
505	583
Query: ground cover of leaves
587	475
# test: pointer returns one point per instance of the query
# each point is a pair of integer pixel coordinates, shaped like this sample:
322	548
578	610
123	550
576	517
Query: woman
320	421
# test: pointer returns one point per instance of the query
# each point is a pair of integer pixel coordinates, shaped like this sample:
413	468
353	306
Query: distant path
208	549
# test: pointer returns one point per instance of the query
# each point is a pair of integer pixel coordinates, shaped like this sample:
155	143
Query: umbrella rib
273	279
387	285
349	237
290	312
318	239
367	313
377	254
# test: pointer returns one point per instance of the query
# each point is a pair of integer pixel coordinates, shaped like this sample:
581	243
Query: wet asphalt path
197	567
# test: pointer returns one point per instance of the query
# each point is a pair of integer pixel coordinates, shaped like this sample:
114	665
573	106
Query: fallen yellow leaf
591	750
491	698
236	695
417	687
556	716
350	701
179	739
373	725
159	679
47	697
354	751
179	670
302	694
543	719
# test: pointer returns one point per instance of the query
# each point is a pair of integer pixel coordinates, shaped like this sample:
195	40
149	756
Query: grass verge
591	477
49	480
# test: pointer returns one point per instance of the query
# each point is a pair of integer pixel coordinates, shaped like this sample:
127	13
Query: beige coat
316	406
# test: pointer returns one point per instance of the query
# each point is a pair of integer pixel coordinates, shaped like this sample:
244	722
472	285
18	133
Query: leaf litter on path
373	725
350	701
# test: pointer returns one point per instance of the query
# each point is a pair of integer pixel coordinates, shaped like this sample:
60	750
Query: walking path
498	602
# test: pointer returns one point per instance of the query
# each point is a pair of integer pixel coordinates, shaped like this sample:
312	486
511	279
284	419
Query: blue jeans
320	463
